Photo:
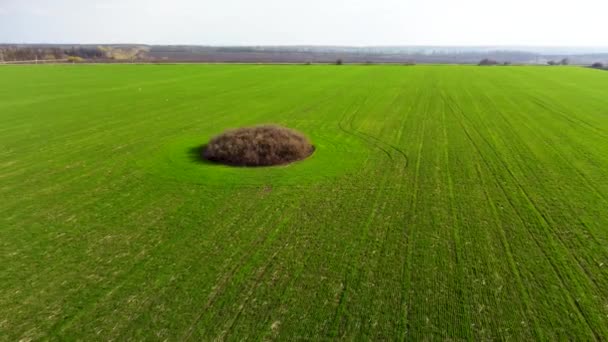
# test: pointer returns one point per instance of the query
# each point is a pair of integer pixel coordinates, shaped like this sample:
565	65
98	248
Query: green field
441	203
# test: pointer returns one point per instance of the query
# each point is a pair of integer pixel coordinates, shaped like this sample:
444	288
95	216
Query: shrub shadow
195	154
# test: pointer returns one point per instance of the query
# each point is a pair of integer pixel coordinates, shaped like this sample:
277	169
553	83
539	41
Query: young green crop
442	202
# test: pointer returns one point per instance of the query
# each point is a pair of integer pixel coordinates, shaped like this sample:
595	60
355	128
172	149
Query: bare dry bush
258	146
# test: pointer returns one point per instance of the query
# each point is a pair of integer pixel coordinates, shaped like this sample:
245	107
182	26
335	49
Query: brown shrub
258	146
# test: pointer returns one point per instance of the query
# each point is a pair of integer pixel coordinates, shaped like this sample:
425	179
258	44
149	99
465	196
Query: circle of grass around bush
264	145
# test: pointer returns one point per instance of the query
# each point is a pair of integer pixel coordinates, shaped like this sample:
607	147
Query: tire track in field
510	259
528	198
508	249
588	182
455	222
355	133
396	107
537	99
514	207
346	124
226	277
406	305
122	277
380	141
560	277
218	286
352	271
296	276
577	171
159	248
259	275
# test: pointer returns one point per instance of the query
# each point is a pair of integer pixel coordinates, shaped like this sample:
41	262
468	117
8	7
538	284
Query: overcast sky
307	22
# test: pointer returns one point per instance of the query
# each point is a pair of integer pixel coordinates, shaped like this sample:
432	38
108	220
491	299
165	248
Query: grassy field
442	202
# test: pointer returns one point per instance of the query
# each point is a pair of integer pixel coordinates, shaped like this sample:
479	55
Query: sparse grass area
442	202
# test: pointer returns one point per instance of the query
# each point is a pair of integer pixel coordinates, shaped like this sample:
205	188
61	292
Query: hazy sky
318	22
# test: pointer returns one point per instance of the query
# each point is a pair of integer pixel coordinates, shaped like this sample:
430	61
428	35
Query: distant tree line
29	53
490	62
18	53
85	52
564	61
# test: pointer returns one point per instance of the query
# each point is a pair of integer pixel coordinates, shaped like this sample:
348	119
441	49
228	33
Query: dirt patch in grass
265	145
